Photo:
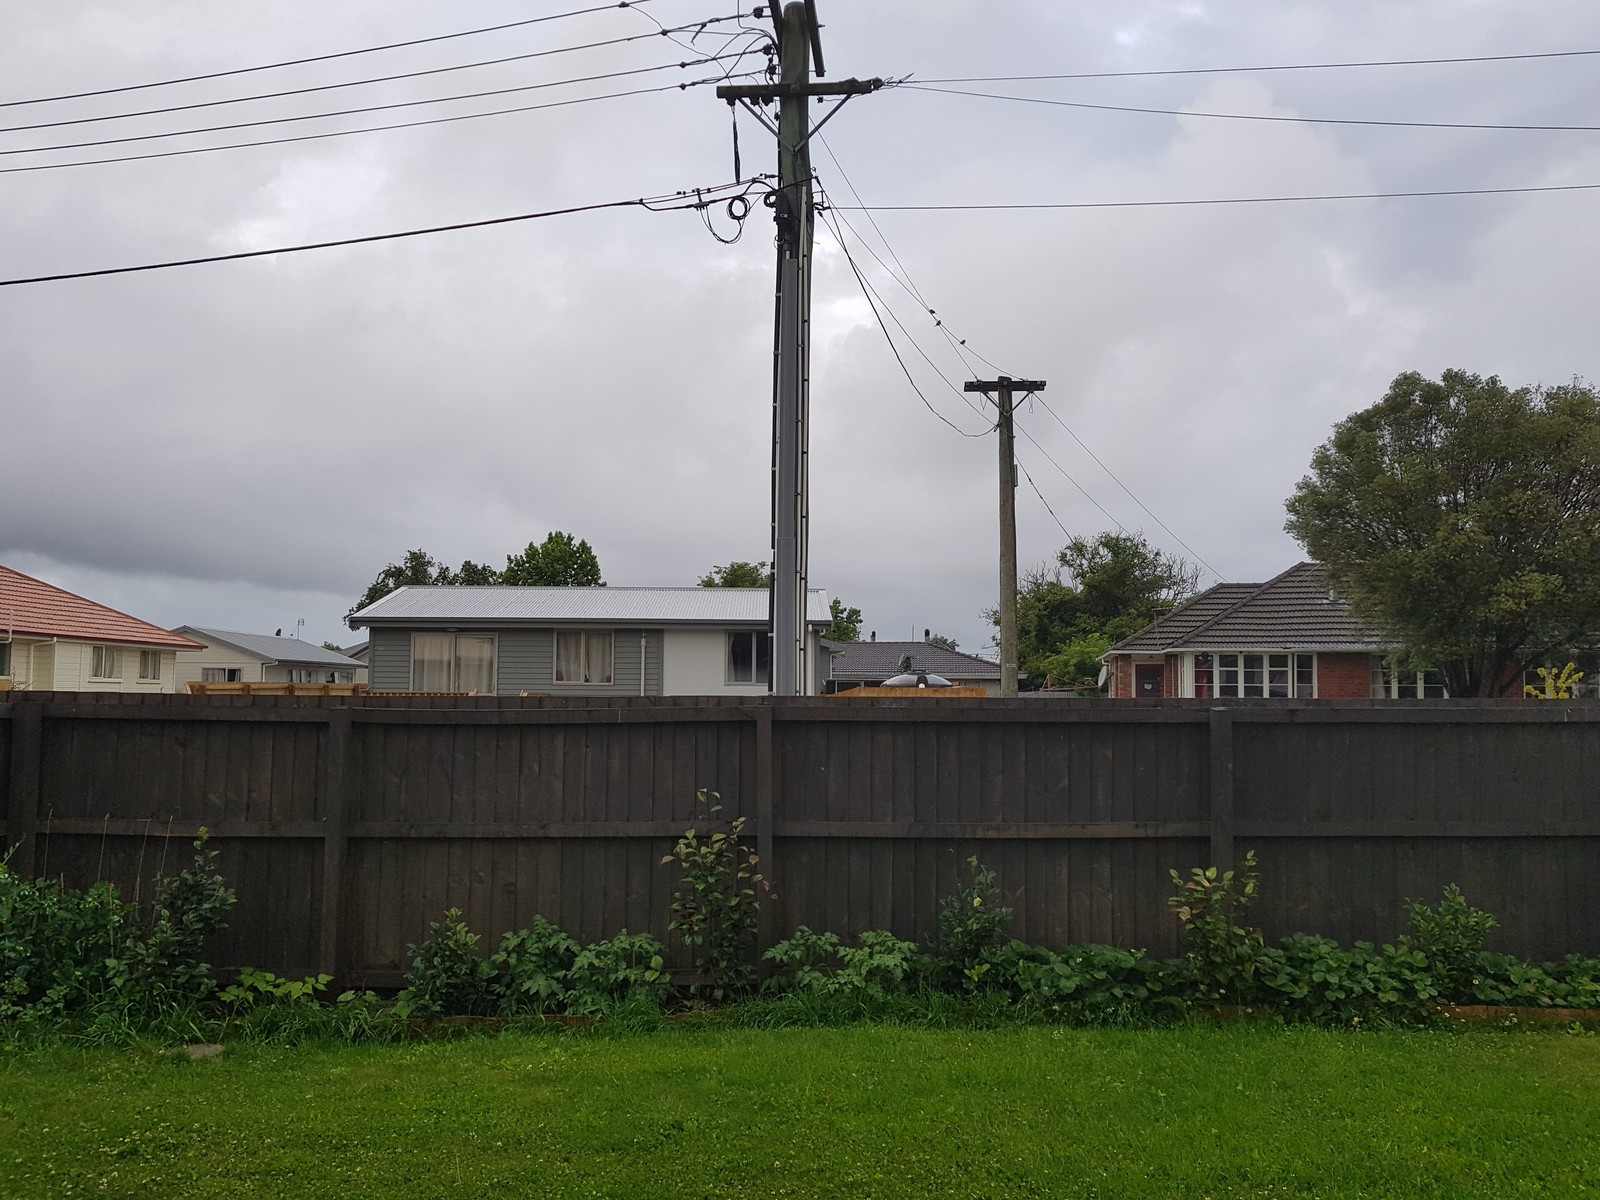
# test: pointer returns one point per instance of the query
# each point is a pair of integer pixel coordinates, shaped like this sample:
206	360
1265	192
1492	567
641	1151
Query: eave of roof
32	608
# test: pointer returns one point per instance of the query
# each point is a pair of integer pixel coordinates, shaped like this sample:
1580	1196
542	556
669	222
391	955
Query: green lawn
866	1111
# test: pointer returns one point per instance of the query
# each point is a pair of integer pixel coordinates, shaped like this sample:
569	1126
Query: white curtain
569	656
597	658
475	664
430	661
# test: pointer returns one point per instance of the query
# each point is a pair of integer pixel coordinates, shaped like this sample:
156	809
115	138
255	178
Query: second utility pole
1004	386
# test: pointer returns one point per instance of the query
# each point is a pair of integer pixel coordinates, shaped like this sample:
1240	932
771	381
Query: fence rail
348	823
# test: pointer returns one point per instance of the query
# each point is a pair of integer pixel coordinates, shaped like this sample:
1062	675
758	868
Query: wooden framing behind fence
347	824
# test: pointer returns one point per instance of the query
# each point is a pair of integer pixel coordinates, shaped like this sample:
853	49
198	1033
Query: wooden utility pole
1004	387
799	46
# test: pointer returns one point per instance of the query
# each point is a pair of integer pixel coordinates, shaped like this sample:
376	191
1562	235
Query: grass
862	1111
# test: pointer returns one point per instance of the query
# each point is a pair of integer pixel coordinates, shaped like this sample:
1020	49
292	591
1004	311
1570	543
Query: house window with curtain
749	656
1275	676
150	665
221	674
1202	677
584	656
105	662
1389	684
453	662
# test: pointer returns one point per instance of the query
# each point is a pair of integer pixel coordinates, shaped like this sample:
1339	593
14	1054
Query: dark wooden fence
346	826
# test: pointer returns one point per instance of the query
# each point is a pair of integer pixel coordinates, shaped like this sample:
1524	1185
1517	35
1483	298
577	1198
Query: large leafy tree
846	625
738	574
414	567
1462	517
558	561
1100	590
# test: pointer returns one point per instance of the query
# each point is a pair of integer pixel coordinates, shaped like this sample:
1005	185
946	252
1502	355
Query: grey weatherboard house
599	641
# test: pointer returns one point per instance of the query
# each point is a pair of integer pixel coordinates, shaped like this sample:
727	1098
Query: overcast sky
246	444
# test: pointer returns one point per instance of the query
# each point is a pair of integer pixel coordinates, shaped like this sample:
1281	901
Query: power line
349	83
872	303
1114	478
696	198
1216	116
312	137
1064	530
349	112
295	62
1504	191
1323	66
1106	512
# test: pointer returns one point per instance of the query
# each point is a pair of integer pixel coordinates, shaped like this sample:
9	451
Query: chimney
873	636
926	634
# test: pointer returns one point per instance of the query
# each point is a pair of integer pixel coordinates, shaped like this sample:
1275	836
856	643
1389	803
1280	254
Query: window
149	665
453	662
5	659
1389	684
749	657
583	656
1276	676
220	674
105	662
324	675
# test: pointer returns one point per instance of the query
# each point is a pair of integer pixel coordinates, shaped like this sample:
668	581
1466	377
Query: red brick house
1289	638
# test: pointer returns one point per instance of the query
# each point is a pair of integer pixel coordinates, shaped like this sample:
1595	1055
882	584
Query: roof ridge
1245	599
1181	609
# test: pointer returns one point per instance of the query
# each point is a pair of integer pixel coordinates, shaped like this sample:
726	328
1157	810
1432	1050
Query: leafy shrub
626	970
64	952
1087	984
532	969
255	988
971	923
1450	939
715	906
819	964
448	978
1222	952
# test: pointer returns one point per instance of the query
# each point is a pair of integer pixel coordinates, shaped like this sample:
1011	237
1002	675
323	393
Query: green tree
738	574
558	561
473	574
414	568
1101	590
846	626
939	639
1462	518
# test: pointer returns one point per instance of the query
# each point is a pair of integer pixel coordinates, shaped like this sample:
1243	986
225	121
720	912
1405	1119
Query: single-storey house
869	663
231	657
1289	638
602	641
53	640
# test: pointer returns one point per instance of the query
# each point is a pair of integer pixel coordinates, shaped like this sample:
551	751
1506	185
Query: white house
53	640
231	657
675	641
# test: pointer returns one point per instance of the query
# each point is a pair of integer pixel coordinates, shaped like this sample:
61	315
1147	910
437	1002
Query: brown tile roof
1294	611
33	608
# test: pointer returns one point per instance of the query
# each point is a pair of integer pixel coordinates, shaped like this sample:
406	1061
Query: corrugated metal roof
880	660
580	605
1293	611
33	608
270	647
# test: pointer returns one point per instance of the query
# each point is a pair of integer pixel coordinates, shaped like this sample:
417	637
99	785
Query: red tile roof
32	608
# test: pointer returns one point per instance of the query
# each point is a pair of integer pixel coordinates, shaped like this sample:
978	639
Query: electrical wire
372	108
315	58
312	137
872	302
1106	512
1504	191
692	199
1064	530
1323	66
1195	554
349	83
1216	116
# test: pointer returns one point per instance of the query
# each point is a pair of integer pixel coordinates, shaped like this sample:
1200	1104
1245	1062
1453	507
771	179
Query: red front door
1147	681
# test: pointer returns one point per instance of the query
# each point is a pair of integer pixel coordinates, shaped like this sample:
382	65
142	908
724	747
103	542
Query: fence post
335	815
27	723
1221	789
764	807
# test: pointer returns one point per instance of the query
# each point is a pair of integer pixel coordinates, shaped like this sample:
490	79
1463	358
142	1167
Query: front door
1147	681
